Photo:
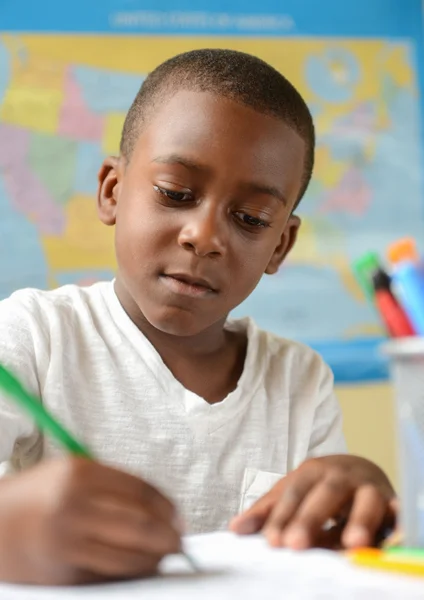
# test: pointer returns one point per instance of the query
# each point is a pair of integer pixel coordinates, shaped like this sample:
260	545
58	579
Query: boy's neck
204	344
191	359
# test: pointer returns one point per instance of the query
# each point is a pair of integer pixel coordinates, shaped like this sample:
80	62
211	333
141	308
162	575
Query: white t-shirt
96	372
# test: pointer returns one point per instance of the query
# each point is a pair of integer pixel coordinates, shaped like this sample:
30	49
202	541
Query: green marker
43	419
364	268
406	553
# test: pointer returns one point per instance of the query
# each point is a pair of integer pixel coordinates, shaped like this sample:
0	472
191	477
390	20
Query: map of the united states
63	99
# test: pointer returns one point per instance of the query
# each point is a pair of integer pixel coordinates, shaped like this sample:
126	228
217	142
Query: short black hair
230	74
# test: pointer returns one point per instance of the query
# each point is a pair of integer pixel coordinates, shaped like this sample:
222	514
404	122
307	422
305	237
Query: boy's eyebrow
253	186
269	190
177	159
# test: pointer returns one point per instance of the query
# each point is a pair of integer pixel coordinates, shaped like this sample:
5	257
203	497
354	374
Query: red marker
392	314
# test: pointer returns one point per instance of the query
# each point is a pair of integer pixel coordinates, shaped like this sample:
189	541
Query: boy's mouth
181	283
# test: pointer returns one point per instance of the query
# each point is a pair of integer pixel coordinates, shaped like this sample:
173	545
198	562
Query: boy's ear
287	242
107	189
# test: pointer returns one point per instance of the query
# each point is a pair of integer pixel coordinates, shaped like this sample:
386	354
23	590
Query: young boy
175	400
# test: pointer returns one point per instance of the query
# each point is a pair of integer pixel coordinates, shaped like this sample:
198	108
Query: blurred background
68	74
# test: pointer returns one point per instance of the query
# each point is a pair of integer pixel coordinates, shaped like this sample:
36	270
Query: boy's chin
178	322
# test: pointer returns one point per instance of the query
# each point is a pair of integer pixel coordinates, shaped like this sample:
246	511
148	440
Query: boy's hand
352	491
76	521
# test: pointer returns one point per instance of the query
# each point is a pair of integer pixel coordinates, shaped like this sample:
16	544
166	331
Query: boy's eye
172	195
251	221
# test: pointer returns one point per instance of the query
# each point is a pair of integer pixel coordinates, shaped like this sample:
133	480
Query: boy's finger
290	490
330	539
291	498
394	506
367	514
253	519
109	562
134	489
128	526
324	502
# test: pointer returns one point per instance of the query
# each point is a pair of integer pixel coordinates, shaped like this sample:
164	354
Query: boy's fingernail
355	535
296	538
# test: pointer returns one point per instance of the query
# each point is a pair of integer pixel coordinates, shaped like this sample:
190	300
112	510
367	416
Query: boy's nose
203	233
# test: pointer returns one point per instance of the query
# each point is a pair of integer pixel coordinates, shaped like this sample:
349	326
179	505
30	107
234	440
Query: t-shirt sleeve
327	430
21	350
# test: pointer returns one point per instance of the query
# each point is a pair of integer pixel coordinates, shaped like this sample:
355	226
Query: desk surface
244	568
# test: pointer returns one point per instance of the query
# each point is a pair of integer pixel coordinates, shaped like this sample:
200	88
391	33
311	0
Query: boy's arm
70	520
329	485
23	351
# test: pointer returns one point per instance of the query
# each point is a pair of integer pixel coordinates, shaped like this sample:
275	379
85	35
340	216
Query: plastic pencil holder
407	374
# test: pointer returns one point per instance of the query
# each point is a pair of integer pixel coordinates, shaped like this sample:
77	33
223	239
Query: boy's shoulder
65	299
296	362
62	294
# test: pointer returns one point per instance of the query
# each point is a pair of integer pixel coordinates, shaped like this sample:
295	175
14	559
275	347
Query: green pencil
44	420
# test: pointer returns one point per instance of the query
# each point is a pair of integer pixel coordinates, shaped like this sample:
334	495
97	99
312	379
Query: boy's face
201	211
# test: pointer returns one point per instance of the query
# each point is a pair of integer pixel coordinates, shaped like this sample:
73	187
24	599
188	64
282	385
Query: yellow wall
369	424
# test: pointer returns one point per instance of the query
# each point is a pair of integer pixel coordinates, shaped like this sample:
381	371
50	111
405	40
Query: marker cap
403	250
364	268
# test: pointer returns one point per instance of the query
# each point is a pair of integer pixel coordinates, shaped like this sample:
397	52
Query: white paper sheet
245	568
